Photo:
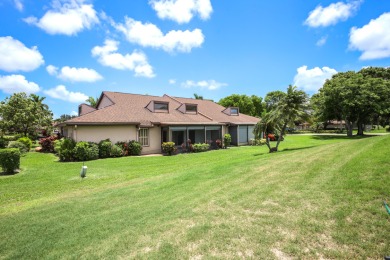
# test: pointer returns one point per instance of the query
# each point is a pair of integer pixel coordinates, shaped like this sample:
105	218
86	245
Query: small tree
290	108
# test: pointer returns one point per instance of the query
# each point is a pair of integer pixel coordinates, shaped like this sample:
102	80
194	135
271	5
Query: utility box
83	172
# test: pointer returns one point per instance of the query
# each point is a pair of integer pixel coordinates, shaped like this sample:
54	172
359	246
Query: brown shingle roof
131	109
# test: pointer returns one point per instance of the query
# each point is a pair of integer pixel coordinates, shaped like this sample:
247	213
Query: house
152	120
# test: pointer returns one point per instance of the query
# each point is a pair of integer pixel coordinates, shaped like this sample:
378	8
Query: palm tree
196	96
92	101
290	108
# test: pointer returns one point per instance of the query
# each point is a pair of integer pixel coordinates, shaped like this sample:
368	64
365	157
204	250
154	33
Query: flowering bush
47	144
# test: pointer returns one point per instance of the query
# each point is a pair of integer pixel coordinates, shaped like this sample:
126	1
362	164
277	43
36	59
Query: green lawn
320	197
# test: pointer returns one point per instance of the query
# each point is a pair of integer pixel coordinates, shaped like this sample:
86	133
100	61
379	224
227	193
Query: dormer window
190	108
231	111
234	111
160	106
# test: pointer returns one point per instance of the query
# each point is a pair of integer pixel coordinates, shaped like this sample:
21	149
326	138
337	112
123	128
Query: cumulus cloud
52	70
74	113
107	55
373	39
74	74
19	5
66	17
322	41
17	83
182	11
60	92
332	14
149	35
172	81
15	56
312	79
205	84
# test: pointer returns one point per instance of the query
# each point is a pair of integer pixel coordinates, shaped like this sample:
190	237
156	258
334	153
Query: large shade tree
24	114
249	105
286	109
354	98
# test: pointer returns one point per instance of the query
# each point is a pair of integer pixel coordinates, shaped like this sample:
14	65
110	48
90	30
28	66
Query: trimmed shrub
47	144
85	151
227	139
9	160
26	141
15	144
198	148
134	148
65	149
116	151
105	148
168	148
3	142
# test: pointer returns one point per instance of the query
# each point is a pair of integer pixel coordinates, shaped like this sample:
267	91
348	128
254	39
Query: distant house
152	120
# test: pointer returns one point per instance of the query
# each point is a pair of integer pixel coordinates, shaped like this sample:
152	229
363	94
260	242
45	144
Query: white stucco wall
115	134
98	133
154	141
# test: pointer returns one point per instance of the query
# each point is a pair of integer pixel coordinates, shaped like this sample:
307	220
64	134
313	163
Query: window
143	137
191	108
161	106
234	111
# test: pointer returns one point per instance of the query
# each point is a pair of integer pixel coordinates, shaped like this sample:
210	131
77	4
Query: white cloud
74	113
373	39
15	56
207	84
172	81
312	79
322	41
52	70
182	11
149	35
66	17
137	61
17	83
19	5
60	92
74	74
332	14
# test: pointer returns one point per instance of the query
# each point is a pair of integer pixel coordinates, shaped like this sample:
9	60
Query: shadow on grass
285	150
340	137
3	174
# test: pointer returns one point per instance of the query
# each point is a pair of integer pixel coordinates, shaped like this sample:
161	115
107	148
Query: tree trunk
281	135
360	128
348	125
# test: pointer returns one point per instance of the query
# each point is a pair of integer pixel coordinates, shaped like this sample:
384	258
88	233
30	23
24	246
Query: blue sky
67	50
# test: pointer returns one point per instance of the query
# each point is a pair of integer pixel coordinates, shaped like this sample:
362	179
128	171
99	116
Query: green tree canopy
353	97
64	118
24	114
249	105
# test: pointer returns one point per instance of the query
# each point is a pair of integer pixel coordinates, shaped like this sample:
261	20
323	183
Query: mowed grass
320	197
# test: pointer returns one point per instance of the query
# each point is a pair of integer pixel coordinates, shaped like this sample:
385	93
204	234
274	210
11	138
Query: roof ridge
200	113
173	99
125	93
